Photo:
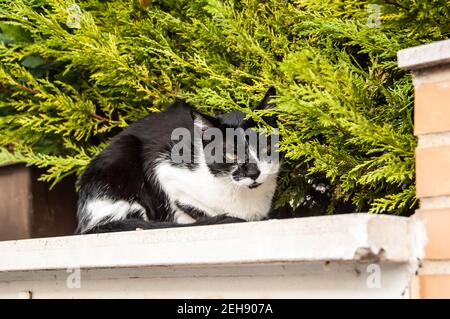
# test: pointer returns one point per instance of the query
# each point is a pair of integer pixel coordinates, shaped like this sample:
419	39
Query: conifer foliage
74	73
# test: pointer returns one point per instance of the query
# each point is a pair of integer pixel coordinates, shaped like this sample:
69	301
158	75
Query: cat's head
231	147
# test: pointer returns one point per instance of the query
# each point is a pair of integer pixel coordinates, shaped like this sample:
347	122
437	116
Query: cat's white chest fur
214	195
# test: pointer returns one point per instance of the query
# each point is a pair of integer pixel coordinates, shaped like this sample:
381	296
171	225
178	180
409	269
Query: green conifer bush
74	73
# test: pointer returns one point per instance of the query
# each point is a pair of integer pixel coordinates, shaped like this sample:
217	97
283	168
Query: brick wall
430	67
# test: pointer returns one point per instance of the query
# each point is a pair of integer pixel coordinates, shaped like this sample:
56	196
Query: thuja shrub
74	73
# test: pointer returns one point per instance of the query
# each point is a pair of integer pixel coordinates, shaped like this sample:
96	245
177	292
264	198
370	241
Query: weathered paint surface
355	255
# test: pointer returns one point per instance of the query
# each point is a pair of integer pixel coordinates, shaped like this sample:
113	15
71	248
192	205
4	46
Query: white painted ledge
314	257
328	238
423	56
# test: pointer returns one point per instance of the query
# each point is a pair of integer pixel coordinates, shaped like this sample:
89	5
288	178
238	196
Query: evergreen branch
396	4
343	106
26	89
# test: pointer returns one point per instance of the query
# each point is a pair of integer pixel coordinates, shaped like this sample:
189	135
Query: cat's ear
201	121
265	102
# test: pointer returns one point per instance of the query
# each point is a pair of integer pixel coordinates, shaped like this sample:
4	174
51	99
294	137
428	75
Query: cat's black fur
130	224
124	170
121	166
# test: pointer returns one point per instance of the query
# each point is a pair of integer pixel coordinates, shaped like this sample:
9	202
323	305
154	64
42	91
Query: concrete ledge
426	55
360	237
342	256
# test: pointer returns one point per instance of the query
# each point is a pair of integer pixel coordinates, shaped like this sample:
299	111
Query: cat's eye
231	157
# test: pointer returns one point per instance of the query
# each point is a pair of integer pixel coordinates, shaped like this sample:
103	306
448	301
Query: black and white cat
136	182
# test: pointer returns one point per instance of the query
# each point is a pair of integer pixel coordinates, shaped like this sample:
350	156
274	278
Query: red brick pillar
430	67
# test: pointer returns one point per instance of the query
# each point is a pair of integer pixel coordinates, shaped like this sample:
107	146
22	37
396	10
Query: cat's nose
252	172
